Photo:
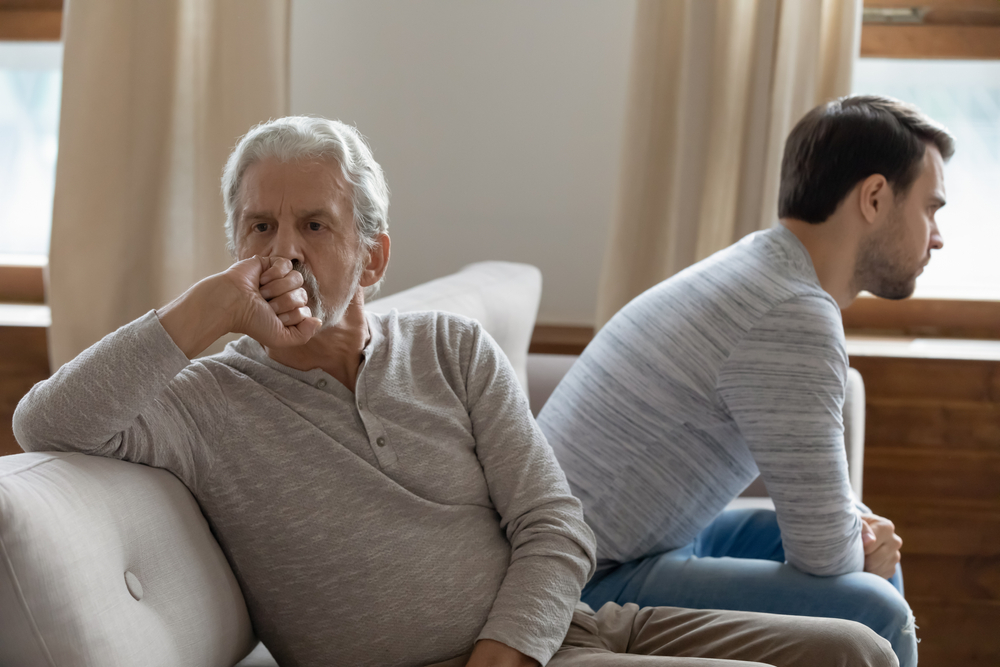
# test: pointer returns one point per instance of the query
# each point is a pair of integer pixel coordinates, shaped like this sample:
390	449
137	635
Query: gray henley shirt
392	526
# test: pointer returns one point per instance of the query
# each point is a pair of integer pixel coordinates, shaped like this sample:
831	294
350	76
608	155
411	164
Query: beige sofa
105	563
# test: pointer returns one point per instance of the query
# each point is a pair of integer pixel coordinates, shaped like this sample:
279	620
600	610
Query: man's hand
881	545
273	310
261	297
490	653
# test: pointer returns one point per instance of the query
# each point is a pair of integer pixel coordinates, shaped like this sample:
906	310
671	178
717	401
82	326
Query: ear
875	198
378	261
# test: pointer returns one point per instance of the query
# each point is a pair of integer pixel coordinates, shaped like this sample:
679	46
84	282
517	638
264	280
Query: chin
896	292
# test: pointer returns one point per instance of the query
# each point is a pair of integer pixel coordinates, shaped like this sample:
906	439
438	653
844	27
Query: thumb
867	535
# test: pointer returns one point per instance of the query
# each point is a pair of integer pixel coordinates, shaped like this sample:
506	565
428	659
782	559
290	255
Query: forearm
784	386
490	653
534	606
199	316
552	548
88	402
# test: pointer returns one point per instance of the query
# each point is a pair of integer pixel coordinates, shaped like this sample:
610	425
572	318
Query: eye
260	227
315	226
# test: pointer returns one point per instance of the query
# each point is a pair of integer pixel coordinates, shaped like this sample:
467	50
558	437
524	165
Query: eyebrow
264	215
316	213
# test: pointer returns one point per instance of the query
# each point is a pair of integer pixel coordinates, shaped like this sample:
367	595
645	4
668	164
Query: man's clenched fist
261	297
881	545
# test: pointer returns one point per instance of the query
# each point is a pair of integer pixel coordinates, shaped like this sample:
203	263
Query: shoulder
814	312
428	335
426	325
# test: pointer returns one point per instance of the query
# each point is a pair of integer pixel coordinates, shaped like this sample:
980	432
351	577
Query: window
905	51
30	86
964	95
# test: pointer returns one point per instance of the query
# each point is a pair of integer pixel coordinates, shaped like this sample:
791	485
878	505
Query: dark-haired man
738	365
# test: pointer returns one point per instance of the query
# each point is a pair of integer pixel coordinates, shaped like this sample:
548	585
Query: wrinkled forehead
277	187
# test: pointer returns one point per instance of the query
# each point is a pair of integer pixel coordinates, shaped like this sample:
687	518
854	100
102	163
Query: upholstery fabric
502	296
71	528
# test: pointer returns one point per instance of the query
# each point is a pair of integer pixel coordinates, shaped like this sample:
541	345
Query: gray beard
327	314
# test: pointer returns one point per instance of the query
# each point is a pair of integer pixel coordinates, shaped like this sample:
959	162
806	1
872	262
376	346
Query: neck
833	247
336	349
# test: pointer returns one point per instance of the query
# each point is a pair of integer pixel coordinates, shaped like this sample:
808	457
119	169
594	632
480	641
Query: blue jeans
738	563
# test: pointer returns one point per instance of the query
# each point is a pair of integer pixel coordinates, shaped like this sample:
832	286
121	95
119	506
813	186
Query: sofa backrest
502	296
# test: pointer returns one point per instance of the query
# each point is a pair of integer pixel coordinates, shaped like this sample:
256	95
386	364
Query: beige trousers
629	636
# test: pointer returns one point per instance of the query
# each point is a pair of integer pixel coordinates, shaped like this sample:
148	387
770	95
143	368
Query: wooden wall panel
913	474
940	526
953	579
957	635
24	360
932	466
928	424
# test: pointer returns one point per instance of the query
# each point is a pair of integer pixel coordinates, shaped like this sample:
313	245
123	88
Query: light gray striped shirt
735	365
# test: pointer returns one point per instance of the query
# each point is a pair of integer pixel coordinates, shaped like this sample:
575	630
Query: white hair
307	137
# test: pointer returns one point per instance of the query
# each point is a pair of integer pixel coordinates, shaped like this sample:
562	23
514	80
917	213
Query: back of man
738	365
656	400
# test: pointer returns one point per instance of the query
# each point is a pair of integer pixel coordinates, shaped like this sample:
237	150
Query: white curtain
155	95
716	86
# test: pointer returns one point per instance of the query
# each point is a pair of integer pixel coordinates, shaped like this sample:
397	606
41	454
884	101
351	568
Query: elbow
22	425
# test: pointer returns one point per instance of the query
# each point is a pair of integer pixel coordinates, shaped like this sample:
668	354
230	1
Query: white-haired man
376	482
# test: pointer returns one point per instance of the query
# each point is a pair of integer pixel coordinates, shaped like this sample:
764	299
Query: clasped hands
881	545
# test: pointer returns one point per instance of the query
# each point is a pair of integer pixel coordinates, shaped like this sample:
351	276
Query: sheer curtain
155	95
716	85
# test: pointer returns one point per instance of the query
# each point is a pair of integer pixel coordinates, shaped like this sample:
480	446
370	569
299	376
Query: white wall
498	124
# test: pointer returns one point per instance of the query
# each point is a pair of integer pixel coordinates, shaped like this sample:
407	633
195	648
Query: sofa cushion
502	296
105	564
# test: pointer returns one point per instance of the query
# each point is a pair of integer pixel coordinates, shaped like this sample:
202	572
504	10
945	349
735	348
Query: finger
293	317
289	301
883	562
300	333
868	540
279	268
290	281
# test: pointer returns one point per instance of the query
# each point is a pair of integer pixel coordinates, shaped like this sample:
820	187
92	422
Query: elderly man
376	482
737	365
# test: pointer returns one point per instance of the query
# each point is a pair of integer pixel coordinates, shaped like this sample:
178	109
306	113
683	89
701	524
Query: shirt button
380	441
321	384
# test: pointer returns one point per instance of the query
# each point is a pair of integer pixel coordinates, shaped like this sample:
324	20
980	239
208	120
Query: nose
936	241
287	243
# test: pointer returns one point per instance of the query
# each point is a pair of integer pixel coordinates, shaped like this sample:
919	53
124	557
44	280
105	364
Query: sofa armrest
105	563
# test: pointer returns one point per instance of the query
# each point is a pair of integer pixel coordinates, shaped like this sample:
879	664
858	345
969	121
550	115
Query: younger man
737	365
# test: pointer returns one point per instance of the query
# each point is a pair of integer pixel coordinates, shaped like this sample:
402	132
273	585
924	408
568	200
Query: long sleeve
784	386
132	395
552	549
